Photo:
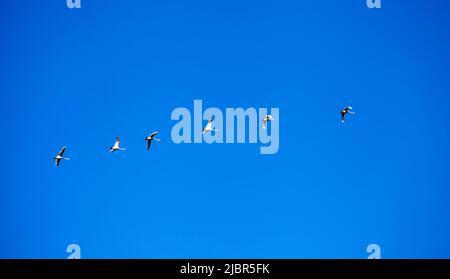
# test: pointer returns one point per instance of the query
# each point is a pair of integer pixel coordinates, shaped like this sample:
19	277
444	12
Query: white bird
209	127
60	157
345	111
151	138
116	146
266	119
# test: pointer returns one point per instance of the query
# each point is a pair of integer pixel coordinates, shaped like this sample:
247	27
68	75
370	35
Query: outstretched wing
149	143
57	161
61	153
116	144
209	126
343	115
153	134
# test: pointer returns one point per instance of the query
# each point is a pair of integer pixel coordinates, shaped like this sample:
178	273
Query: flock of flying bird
208	128
113	148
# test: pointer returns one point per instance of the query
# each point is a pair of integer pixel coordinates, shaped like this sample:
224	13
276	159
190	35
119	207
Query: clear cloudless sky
80	77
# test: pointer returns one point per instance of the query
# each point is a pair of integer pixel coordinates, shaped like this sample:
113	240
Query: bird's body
209	127
346	110
266	119
60	157
151	138
116	146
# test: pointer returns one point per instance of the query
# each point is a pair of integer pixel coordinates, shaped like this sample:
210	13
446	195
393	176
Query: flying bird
345	111
266	119
116	146
151	138
209	127
60	157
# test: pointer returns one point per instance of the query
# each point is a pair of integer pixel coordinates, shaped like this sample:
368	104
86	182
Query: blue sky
81	77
